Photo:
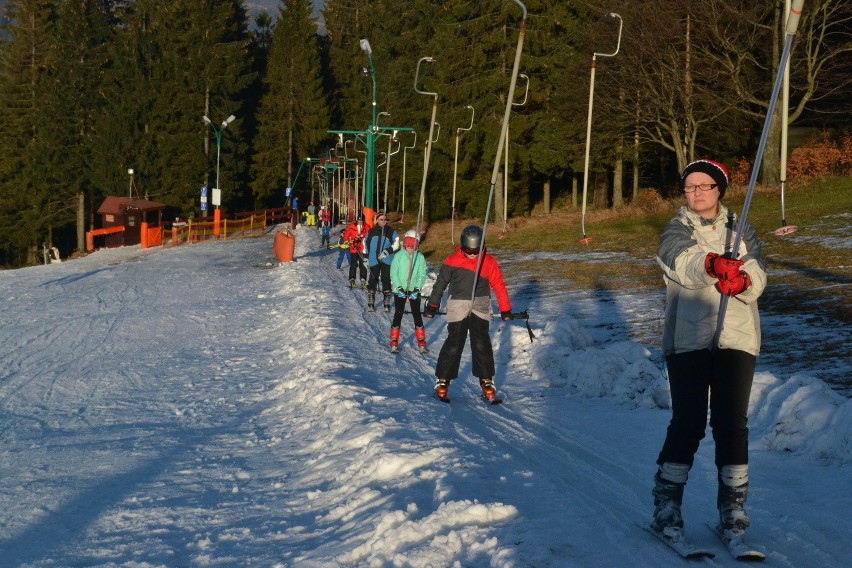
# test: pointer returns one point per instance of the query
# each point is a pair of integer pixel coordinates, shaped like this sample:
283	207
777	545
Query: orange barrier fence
241	225
90	235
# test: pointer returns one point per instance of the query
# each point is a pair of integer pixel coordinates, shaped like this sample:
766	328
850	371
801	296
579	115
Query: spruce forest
91	89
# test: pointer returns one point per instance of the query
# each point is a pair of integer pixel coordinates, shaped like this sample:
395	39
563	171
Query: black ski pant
359	264
480	349
380	272
399	310
723	378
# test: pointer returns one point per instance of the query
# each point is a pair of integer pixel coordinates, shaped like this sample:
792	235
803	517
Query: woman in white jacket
698	270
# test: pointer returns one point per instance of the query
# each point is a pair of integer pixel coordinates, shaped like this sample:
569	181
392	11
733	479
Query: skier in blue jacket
381	243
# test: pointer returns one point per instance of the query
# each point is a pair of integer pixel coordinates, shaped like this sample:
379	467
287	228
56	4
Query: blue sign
204	198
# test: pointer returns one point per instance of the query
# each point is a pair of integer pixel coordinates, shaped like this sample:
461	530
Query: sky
202	405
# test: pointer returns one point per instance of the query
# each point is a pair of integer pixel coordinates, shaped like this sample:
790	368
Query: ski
680	545
738	547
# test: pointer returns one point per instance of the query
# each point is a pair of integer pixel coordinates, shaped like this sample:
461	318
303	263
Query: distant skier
457	275
408	274
697	273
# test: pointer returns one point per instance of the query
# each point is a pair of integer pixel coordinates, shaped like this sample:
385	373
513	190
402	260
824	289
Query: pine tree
293	118
26	111
347	22
83	31
184	63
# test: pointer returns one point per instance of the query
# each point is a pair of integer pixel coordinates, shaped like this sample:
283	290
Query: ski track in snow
185	407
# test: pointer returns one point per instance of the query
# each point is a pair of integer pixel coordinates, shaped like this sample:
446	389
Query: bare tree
677	98
745	42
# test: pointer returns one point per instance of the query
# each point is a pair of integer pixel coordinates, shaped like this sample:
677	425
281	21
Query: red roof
117	205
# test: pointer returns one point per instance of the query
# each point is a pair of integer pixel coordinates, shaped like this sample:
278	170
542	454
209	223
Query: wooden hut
130	213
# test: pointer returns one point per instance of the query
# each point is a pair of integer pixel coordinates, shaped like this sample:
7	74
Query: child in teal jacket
408	274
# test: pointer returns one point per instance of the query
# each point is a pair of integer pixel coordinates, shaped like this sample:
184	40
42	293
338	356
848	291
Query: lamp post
370	165
586	240
130	192
217	196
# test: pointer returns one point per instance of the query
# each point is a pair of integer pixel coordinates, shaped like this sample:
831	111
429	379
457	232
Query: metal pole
503	133
428	140
404	156
586	240
785	229
792	24
506	166
370	165
455	174
218	152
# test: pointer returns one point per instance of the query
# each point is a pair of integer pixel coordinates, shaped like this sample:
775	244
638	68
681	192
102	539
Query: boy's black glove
506	316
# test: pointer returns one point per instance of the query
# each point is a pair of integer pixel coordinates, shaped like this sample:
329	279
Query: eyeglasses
698	186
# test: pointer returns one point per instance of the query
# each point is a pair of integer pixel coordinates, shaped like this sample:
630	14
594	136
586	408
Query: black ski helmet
471	238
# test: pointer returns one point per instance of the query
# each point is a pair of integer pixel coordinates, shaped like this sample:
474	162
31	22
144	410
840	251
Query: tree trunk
81	222
635	165
770	167
574	190
547	197
498	201
618	182
600	185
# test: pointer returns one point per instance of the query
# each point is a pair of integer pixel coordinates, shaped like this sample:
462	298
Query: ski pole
792	24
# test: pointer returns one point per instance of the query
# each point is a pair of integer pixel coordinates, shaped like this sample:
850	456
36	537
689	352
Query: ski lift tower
368	139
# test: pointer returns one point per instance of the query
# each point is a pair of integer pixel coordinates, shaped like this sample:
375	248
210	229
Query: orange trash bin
284	245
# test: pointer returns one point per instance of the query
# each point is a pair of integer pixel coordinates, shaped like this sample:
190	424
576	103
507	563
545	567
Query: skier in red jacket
468	312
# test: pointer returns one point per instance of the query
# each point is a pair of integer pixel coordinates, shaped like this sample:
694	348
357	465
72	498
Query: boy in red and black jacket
468	312
354	235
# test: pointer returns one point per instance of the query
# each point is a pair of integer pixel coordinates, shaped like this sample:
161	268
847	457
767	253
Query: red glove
735	285
721	267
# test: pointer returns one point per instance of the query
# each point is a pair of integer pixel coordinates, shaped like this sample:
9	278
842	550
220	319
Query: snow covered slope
190	407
